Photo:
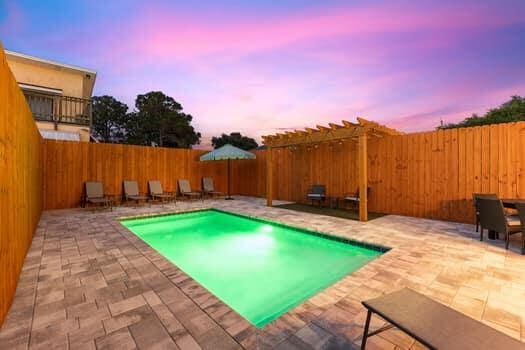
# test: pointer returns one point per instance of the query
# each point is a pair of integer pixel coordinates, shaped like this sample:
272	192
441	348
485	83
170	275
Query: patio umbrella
228	152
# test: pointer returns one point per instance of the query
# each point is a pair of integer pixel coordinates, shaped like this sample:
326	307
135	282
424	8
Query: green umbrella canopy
227	152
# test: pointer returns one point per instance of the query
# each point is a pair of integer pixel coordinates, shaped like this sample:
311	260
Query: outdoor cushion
315	195
513	220
351	198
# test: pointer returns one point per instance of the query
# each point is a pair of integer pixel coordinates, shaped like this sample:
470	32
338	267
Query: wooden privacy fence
67	165
434	174
431	174
20	183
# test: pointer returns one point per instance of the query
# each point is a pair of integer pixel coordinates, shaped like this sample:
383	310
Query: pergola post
269	177
363	177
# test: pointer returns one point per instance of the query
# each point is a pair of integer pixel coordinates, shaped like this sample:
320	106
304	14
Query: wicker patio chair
492	217
475	196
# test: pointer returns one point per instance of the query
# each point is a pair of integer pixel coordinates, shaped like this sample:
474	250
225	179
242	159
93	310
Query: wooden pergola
359	132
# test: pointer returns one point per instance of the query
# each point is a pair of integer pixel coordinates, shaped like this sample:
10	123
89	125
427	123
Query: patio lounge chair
185	189
95	195
316	193
156	191
208	187
433	324
492	217
355	198
521	212
475	196
131	192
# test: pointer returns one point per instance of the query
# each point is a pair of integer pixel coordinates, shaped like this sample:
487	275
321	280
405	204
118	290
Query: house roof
49	62
89	73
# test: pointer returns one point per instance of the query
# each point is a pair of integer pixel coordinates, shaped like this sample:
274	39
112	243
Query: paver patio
89	283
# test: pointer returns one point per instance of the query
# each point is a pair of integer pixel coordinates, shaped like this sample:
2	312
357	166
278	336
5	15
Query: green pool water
260	269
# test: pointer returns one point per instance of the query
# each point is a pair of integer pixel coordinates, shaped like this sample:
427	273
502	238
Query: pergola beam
333	132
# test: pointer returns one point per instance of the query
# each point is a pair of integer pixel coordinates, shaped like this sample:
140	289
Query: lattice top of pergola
331	132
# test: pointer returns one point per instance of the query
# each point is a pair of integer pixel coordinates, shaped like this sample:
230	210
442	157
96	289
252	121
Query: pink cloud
167	35
398	63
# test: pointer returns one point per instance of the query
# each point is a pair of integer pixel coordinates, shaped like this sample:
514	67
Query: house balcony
59	109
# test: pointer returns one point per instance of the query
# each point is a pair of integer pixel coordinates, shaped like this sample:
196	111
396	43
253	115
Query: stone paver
89	283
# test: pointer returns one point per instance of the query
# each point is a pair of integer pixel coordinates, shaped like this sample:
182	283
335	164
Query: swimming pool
261	269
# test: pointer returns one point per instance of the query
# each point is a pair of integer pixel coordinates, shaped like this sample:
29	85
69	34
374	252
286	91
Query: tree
159	120
511	111
235	139
109	119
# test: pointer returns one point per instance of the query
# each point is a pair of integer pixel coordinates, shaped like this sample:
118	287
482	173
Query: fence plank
20	183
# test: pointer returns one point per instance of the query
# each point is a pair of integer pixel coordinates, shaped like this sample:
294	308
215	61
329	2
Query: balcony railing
59	109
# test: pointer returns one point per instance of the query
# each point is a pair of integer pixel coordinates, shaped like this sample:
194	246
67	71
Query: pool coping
362	244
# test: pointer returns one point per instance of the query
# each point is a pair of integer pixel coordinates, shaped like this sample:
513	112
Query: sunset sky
256	67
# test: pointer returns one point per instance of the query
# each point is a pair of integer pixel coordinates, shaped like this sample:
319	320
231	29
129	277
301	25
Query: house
58	94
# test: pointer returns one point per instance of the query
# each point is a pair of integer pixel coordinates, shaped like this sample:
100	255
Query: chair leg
365	332
507	239
477	224
481	234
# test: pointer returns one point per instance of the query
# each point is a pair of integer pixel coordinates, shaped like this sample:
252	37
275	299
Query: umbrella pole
229	196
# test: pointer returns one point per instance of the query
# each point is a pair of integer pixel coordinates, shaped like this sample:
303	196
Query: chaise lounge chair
131	192
434	325
95	195
208	187
185	189
156	191
316	193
